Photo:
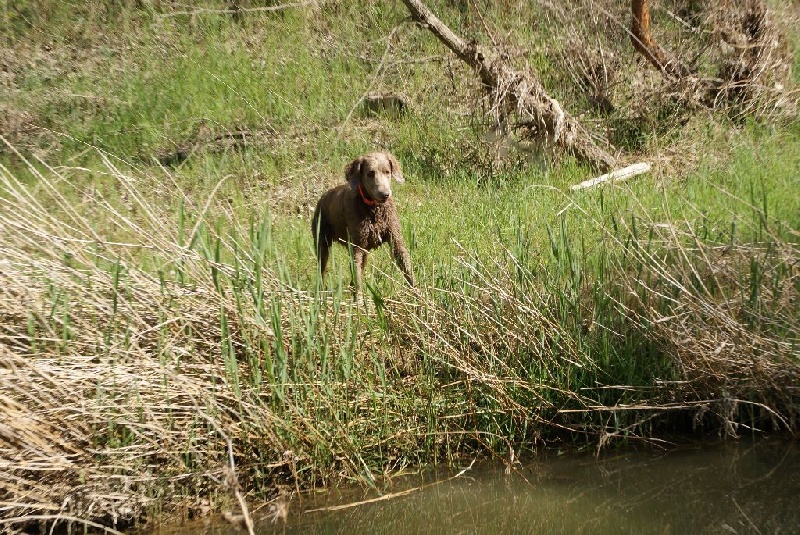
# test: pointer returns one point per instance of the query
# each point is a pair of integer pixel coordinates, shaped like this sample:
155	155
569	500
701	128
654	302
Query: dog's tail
316	226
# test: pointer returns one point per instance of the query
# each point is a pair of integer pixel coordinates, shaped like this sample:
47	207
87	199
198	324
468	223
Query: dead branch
392	495
518	92
204	140
233	485
236	10
619	175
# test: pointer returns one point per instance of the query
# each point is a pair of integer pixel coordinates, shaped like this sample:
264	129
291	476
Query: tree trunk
518	92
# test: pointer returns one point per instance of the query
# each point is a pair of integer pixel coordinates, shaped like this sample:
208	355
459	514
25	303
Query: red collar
367	201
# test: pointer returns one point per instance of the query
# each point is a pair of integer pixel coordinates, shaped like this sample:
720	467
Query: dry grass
738	59
138	374
152	361
728	316
117	385
725	313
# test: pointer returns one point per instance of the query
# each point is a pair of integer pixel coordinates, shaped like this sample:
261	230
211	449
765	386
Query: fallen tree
519	93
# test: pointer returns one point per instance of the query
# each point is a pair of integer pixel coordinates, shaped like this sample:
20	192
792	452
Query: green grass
151	314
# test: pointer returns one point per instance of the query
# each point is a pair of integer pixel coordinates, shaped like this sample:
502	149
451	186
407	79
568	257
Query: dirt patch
15	123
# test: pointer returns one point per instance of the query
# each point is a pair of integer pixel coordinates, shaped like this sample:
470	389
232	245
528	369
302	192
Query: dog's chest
371	232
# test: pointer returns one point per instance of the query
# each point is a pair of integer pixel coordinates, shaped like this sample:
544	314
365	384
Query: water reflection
734	487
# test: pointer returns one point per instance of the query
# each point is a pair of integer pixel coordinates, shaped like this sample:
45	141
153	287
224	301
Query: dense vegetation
163	327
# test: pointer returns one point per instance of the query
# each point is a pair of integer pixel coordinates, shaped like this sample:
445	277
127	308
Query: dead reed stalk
136	371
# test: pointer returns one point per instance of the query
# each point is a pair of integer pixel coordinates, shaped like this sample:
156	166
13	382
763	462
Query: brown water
733	487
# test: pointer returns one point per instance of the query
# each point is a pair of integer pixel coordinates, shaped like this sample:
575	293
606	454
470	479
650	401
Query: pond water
742	486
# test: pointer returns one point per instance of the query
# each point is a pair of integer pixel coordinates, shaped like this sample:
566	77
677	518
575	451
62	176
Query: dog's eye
371	174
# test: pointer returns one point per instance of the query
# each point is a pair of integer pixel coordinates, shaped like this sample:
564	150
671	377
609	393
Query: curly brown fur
362	213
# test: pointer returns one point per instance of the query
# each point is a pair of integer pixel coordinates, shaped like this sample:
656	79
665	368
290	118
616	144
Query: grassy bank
162	323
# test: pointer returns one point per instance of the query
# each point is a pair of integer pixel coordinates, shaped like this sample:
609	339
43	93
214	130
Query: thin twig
232	480
201	217
372	80
392	495
204	11
28	518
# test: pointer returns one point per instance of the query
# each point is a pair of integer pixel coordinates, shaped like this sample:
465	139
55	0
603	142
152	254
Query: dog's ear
397	171
352	173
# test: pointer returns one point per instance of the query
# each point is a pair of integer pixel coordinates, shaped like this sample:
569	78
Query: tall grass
129	363
154	319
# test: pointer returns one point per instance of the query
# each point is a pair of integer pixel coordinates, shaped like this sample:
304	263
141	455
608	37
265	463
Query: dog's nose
384	195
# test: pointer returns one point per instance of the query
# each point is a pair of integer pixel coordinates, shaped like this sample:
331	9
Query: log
615	176
518	92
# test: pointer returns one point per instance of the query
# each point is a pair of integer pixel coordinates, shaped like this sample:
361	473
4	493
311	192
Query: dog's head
374	173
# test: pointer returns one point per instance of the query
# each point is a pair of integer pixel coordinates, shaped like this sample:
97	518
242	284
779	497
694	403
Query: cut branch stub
644	43
749	79
518	92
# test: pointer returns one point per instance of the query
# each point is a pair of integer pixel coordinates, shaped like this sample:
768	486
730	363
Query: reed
166	345
131	357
